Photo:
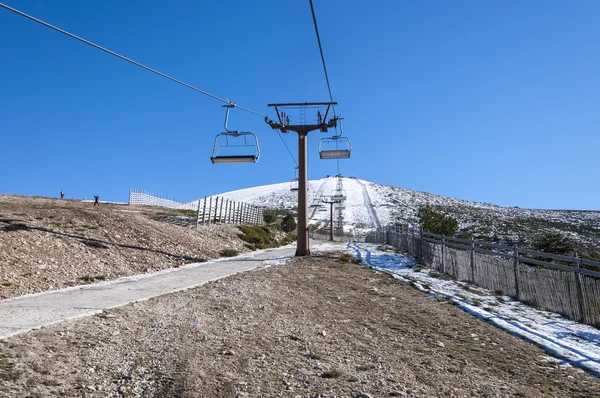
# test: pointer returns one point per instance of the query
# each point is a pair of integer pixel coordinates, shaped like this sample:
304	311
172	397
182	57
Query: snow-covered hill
369	204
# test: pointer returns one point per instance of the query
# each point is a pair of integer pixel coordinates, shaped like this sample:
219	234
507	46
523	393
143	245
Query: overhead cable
126	59
312	9
288	149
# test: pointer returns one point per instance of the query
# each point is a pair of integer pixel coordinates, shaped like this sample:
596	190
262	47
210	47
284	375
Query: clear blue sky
494	101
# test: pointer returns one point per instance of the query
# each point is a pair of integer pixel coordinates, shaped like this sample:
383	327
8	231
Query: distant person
62	194
96	198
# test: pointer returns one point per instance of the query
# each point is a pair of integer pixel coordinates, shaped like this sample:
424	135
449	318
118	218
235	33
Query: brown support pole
302	248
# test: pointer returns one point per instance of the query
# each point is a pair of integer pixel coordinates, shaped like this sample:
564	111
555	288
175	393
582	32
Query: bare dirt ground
315	327
47	243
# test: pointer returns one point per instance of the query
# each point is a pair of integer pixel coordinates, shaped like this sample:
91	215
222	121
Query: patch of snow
572	343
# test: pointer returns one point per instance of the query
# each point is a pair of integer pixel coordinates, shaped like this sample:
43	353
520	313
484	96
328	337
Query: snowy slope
369	204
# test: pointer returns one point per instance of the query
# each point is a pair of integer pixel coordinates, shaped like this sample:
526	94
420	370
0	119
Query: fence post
216	208
516	270
198	214
420	256
221	212
412	242
472	260
443	254
227	211
204	212
577	275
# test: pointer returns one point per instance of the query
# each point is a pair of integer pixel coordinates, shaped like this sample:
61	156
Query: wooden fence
567	285
210	210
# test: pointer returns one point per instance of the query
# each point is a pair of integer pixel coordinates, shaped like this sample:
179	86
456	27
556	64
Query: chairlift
234	146
336	147
294	183
338	196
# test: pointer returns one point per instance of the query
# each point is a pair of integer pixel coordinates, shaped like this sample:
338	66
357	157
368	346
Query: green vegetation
432	220
229	253
270	216
259	236
552	242
263	237
288	223
289	238
180	212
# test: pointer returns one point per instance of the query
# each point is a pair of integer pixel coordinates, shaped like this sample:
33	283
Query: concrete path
22	314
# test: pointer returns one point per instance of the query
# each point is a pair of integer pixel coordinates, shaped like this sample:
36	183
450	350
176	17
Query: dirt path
314	327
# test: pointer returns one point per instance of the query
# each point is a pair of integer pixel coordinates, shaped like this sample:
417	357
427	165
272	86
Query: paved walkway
22	314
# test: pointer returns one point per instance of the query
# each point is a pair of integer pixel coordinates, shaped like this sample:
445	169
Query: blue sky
493	101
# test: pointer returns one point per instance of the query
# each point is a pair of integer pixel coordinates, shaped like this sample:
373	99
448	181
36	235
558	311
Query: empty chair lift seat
235	147
335	148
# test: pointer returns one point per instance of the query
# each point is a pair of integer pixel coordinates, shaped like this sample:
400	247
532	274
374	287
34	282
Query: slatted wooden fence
567	285
210	210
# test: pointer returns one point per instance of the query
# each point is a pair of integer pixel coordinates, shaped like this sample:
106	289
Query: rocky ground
314	327
51	243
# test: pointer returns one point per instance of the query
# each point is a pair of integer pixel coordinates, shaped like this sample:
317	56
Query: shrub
289	238
437	222
229	253
288	223
259	237
552	242
270	216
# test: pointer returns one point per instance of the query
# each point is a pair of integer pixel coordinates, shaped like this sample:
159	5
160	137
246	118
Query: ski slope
369	205
358	215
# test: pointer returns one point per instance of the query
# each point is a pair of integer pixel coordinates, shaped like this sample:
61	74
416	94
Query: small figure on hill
62	194
96	198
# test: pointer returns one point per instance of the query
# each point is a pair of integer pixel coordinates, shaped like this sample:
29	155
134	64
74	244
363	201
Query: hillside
51	243
369	204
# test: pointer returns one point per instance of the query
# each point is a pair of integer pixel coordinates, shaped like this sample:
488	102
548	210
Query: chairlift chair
338	196
234	146
336	147
294	183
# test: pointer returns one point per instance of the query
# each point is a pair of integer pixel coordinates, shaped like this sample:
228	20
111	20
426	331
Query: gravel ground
48	244
314	327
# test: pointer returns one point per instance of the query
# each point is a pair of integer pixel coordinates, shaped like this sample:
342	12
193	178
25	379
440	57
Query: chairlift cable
312	9
288	149
125	58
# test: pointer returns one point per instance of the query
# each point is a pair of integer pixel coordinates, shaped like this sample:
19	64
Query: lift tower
330	202
302	129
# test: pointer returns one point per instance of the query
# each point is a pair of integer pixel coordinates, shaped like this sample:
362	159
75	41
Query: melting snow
573	343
